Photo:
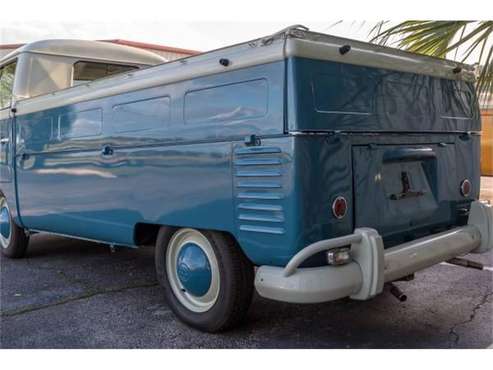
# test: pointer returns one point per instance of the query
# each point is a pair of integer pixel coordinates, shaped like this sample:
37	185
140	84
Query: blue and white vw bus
303	166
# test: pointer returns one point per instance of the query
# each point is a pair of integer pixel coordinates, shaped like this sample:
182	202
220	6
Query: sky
204	25
198	35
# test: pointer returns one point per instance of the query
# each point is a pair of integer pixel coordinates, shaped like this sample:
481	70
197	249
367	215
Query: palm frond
485	80
439	38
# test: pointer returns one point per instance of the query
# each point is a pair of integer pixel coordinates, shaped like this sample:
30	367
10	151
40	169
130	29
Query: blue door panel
7	174
63	193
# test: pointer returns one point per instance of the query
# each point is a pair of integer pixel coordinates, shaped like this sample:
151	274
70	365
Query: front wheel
207	280
13	239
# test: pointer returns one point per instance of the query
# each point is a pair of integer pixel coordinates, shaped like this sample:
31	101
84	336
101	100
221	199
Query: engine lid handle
408	154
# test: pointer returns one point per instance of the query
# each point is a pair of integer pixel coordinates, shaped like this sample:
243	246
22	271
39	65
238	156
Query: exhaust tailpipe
397	293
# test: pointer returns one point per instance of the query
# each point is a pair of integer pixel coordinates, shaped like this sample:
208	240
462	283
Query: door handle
4	141
107	151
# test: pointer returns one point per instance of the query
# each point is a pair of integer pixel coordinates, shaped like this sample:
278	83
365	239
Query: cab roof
85	49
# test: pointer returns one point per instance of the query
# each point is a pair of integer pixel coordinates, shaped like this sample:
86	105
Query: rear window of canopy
90	71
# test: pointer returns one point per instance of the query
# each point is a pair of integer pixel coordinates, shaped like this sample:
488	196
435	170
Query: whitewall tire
207	280
13	239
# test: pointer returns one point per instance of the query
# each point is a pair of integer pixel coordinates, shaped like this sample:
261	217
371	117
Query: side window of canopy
7	74
90	71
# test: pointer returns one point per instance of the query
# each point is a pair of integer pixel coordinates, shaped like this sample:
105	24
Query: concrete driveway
75	294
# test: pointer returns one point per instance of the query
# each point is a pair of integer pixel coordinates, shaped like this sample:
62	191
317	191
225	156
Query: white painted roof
93	50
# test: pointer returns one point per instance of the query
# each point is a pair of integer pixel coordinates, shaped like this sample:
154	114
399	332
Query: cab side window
7	74
90	71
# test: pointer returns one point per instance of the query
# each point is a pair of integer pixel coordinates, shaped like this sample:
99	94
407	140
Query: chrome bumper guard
372	265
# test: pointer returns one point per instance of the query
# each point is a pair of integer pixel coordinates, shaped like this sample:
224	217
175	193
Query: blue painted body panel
175	155
174	172
336	96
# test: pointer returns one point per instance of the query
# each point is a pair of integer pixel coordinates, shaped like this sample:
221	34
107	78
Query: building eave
145	45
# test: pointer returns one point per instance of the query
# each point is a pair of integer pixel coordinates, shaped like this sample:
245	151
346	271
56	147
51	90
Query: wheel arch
147	233
12	202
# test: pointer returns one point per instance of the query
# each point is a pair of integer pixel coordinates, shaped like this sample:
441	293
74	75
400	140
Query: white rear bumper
372	265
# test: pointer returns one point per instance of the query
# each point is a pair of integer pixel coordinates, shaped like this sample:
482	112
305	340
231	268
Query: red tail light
339	207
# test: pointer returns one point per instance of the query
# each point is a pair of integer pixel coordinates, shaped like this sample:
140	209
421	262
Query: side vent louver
258	189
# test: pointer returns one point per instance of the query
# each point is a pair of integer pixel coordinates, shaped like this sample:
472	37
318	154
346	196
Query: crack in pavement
85	295
474	311
60	272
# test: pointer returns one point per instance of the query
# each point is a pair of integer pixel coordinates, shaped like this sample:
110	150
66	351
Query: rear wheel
13	240
207	280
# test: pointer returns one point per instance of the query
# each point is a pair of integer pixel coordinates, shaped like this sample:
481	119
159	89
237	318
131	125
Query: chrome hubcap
193	270
5	224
